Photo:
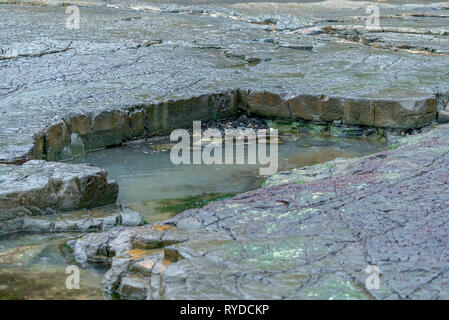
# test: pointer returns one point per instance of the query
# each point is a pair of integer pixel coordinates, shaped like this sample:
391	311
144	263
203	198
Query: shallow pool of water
33	266
145	173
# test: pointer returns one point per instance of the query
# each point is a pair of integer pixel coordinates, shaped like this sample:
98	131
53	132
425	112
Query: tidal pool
33	265
150	182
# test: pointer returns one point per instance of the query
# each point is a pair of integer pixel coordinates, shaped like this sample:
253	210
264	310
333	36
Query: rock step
62	223
78	133
39	188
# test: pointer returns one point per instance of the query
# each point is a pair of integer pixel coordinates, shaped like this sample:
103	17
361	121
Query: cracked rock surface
72	222
309	234
131	66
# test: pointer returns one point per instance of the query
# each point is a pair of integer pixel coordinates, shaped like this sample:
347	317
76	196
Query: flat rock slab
39	187
311	234
70	222
310	60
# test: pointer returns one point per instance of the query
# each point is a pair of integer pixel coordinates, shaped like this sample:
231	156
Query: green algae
158	210
284	126
176	206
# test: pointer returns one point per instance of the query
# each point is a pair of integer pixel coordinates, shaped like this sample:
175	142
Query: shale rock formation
134	69
43	188
137	69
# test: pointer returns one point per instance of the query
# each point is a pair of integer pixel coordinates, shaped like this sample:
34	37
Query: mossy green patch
284	126
317	128
179	205
64	248
159	210
67	252
380	135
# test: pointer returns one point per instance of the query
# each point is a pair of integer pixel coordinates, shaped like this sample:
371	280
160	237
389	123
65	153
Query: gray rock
130	218
395	84
113	277
443	117
95	246
310	31
72	222
80	225
109	222
291	240
40	187
71	243
311	233
31	224
148	43
134	287
296	46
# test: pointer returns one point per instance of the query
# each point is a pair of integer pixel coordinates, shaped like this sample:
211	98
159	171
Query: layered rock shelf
77	134
42	188
134	70
103	88
309	234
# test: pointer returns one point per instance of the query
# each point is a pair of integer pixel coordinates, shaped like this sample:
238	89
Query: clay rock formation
382	113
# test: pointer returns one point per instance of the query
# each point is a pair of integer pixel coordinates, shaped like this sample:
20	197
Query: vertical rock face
85	132
162	75
382	113
79	133
72	222
266	104
40	187
56	138
164	117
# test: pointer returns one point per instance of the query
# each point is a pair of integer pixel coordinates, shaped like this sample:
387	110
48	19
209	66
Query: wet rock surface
241	122
39	188
135	69
74	222
310	234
